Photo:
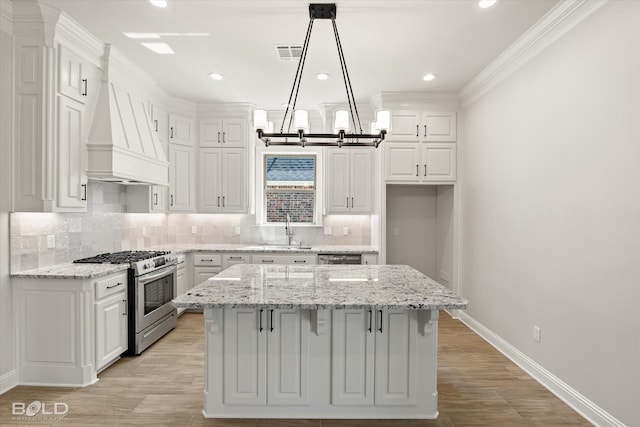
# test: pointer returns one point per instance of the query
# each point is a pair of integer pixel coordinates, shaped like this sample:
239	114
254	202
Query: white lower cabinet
69	329
374	357
283	259
266	357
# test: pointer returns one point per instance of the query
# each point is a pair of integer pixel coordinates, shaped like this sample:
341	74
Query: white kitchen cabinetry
111	320
283	259
77	78
181	178
427	126
222	183
205	265
146	199
266	357
230	259
69	329
369	259
420	163
349	180
160	121
223	133
181	130
374	357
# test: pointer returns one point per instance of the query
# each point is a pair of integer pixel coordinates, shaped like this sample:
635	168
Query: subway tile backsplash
107	227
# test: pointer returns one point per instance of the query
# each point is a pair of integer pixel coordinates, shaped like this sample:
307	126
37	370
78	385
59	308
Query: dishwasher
339	258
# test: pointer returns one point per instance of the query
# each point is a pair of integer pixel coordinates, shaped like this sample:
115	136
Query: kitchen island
320	341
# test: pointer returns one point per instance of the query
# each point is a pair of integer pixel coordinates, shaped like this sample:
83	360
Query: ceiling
388	45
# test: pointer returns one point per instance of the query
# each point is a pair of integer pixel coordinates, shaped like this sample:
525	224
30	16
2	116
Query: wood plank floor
163	387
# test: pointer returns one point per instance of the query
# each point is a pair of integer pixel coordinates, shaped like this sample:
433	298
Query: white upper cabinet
420	163
76	77
181	178
160	121
72	155
404	126
222	180
223	133
438	162
426	126
181	130
349	180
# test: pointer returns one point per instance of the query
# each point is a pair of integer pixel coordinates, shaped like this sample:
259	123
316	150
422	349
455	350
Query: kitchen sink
277	247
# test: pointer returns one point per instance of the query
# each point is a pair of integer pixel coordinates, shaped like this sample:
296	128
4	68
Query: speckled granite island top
320	287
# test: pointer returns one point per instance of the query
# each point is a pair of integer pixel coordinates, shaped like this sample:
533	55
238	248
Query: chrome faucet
287	229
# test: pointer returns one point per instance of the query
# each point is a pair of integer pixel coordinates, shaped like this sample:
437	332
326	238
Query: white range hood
123	147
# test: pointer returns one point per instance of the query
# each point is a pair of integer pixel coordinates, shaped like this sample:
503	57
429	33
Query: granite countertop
320	287
71	271
89	271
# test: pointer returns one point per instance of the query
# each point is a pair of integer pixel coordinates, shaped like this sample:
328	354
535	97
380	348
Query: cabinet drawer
284	259
111	285
207	259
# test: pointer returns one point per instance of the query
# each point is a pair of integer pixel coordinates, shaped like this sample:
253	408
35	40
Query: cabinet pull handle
156	124
206	260
370	321
267	261
271	321
235	257
347	202
223	201
155	199
172	200
417	131
114	286
125	307
261	328
218	201
417	170
300	260
425	169
85	87
425	131
218	137
380	329
171	136
224	137
352	202
84	192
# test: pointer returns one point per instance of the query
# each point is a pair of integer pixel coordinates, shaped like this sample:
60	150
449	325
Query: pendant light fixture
297	129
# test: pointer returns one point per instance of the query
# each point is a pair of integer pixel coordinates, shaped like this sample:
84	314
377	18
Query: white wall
7	345
550	214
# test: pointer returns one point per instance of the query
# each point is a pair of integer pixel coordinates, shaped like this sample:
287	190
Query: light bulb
341	121
301	120
260	119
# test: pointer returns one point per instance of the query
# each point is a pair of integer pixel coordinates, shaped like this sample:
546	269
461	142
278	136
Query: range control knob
147	265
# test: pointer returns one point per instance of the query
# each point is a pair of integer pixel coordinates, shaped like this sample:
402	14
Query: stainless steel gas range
152	285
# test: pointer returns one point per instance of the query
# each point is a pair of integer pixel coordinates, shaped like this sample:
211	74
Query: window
290	188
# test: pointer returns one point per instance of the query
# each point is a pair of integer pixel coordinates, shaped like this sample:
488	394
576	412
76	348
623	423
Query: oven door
154	292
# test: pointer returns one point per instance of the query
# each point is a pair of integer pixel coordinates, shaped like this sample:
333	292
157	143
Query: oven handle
160	273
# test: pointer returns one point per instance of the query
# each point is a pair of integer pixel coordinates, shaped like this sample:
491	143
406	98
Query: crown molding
77	38
415	100
6	16
558	21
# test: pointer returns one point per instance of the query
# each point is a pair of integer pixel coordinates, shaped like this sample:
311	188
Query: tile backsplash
107	227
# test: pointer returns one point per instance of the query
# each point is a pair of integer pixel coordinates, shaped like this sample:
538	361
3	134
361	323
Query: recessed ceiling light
429	77
486	3
159	48
158	3
215	76
322	76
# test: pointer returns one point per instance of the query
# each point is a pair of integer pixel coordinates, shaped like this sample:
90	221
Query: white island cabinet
320	341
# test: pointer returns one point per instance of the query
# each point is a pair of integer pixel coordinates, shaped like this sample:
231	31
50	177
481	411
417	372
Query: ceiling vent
289	52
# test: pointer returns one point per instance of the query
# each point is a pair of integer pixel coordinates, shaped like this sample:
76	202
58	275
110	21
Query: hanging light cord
347	81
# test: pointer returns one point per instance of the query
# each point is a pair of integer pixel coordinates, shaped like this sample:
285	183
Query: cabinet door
361	179
181	178
245	364
396	357
352	357
111	328
402	162
234	181
72	155
200	274
288	357
209	176
210	133
71	76
158	198
181	130
234	133
160	121
439	126
438	162
404	126
338	191
369	259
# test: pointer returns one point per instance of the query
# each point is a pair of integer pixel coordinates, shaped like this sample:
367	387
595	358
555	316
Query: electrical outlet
345	231
237	229
194	229
395	231
328	231
51	241
536	334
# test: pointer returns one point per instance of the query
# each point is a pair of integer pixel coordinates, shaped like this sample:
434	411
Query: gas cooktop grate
122	257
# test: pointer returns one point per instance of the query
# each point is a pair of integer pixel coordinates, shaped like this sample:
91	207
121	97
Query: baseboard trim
562	390
8	381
